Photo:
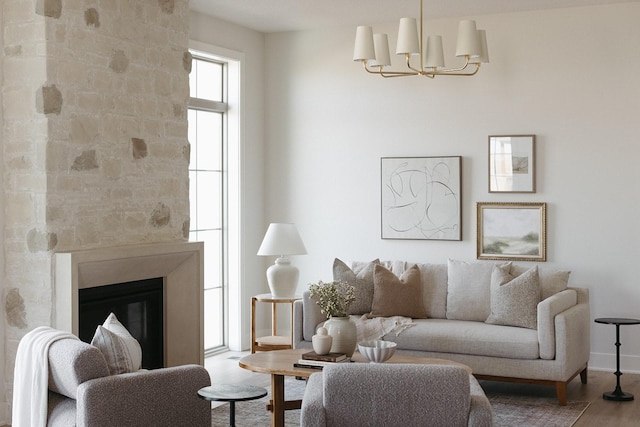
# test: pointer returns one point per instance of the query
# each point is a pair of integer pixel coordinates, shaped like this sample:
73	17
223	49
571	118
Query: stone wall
95	149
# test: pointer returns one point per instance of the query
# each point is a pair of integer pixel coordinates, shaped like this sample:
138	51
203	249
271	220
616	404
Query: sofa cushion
393	296
361	278
469	284
514	300
121	351
551	281
72	362
468	337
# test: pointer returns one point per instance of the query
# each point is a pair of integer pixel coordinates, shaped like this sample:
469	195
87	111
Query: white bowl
377	351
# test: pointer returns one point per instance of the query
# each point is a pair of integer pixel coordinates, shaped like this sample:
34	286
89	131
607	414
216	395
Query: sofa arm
548	309
312	411
306	317
573	336
160	397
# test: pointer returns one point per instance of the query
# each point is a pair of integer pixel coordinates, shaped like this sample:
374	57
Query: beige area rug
508	410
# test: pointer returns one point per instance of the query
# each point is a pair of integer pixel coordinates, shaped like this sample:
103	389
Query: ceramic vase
343	332
322	341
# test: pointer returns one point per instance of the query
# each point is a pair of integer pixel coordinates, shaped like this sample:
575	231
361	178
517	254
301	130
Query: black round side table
617	394
232	393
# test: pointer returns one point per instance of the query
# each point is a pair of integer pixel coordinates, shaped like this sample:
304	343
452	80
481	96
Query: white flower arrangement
333	298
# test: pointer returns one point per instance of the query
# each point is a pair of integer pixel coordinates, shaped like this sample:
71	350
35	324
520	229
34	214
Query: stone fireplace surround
181	264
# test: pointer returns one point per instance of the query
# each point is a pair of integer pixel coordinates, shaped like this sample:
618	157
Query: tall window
208	187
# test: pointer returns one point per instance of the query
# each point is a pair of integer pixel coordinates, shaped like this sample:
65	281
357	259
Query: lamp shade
468	39
363	49
484	51
435	55
381	45
282	239
407	37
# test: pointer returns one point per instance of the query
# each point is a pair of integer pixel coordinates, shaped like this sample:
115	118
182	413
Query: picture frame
512	164
512	231
421	198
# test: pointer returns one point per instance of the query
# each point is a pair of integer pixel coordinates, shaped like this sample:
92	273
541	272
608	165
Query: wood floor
601	413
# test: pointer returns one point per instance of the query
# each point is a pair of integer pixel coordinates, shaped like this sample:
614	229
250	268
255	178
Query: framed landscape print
512	164
512	231
421	198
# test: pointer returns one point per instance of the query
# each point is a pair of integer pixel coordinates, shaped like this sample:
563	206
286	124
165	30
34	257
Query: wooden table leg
277	400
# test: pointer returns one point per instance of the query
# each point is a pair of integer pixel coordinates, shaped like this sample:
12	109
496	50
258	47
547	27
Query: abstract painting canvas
421	198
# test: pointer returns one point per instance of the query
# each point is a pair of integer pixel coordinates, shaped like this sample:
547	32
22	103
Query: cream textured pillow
361	278
514	301
393	296
121	351
468	290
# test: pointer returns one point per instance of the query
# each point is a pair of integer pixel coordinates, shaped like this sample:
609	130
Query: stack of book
313	360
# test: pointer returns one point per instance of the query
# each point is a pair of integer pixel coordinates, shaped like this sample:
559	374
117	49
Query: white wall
251	44
565	75
3	403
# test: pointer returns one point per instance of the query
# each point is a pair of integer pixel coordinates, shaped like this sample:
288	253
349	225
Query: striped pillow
121	351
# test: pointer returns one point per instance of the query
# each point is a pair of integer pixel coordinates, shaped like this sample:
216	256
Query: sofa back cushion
377	394
551	281
469	285
72	362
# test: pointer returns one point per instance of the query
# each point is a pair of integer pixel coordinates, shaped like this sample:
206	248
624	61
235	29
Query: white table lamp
282	240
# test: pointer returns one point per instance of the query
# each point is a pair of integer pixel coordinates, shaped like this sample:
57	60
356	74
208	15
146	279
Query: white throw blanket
31	377
377	327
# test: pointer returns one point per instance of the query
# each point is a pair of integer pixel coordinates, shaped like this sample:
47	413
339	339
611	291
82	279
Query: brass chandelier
373	50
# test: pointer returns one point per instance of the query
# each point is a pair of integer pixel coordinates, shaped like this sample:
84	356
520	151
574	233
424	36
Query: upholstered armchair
82	393
358	394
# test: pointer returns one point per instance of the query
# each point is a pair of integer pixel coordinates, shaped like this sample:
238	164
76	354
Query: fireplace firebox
138	305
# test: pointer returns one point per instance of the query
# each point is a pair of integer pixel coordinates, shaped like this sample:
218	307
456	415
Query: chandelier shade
373	50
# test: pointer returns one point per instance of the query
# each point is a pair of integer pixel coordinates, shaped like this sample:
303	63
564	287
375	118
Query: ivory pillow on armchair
121	350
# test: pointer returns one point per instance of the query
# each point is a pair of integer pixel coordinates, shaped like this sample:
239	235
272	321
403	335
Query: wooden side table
617	394
274	341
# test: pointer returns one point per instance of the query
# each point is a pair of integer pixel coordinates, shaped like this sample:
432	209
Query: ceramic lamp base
283	278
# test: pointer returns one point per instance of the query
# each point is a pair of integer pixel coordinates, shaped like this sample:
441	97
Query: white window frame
233	127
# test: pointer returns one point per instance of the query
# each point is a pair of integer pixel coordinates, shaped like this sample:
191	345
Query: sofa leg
583	376
561	392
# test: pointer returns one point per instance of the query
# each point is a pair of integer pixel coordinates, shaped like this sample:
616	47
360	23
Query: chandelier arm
388	73
415	70
453	72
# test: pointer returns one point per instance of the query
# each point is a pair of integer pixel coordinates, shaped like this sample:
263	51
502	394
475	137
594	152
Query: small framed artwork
512	164
512	231
421	198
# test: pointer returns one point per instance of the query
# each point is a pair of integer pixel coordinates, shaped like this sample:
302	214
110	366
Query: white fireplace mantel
180	264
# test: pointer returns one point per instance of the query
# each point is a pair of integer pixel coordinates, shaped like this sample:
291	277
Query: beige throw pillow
393	296
121	351
514	300
361	278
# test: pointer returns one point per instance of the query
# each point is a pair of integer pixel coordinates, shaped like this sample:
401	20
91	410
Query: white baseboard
607	362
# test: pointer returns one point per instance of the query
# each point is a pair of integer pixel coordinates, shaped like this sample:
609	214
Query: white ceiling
293	15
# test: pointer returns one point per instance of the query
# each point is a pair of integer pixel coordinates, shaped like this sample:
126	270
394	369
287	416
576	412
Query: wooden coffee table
279	364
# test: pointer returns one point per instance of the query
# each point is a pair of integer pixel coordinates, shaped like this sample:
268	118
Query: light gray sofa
82	393
457	298
376	395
